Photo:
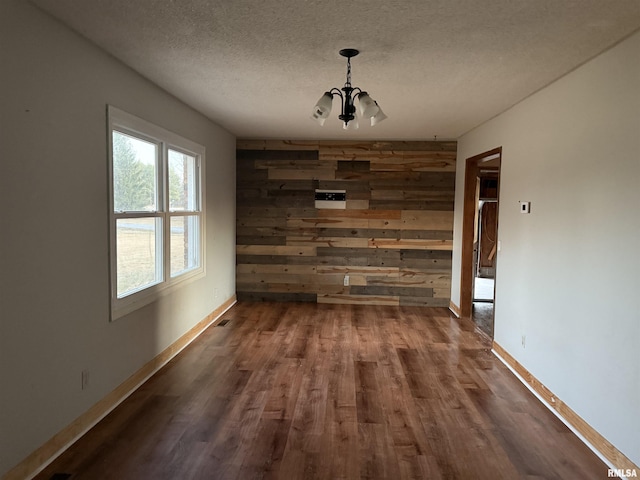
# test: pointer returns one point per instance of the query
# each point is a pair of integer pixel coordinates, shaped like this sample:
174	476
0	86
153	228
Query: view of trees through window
139	240
134	174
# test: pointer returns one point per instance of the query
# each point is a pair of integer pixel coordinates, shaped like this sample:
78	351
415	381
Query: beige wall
568	273
54	290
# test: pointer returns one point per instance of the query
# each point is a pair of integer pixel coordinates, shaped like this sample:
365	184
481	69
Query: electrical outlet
85	379
346	280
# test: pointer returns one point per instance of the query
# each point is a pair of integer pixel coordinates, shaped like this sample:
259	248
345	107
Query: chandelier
369	108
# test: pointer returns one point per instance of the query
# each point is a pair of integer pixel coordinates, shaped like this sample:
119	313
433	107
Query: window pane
134	174
183	191
185	241
139	252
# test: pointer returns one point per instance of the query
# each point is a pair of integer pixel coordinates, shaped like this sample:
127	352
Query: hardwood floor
482	316
305	391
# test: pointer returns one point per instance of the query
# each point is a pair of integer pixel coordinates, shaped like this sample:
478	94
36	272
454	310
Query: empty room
318	239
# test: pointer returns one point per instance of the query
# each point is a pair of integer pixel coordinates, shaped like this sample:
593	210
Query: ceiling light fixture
369	108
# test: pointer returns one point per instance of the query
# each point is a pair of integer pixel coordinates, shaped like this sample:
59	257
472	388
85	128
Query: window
156	211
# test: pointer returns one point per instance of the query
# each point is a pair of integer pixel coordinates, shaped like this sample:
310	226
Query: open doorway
480	239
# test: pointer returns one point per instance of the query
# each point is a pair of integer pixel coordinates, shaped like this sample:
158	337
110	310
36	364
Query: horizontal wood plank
275	250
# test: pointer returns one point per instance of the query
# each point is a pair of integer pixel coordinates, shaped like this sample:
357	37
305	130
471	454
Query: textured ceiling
437	68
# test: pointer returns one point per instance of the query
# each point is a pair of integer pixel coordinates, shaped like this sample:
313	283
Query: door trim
472	167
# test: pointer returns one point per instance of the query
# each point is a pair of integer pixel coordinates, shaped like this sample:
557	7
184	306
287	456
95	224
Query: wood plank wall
393	240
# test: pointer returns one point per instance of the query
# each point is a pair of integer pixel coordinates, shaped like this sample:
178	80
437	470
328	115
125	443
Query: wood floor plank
378	459
368	395
327	391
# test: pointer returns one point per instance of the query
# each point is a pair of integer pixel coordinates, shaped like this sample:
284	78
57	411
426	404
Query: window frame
125	123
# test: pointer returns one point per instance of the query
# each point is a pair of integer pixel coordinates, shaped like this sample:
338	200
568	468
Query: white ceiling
436	67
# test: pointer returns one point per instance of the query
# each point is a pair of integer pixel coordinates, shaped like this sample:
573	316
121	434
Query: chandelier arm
335	91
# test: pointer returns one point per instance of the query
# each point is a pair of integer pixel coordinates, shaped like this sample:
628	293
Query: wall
54	265
393	238
568	273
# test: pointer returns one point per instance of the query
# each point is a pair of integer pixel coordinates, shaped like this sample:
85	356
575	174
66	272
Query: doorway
479	239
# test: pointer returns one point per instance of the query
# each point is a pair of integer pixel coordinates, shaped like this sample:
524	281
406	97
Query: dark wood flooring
482	316
304	391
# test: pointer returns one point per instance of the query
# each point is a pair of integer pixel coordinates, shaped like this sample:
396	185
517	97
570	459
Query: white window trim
129	124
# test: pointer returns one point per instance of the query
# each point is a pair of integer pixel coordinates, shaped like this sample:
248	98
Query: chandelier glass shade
368	107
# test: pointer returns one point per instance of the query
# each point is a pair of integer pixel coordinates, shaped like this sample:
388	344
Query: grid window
156	211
